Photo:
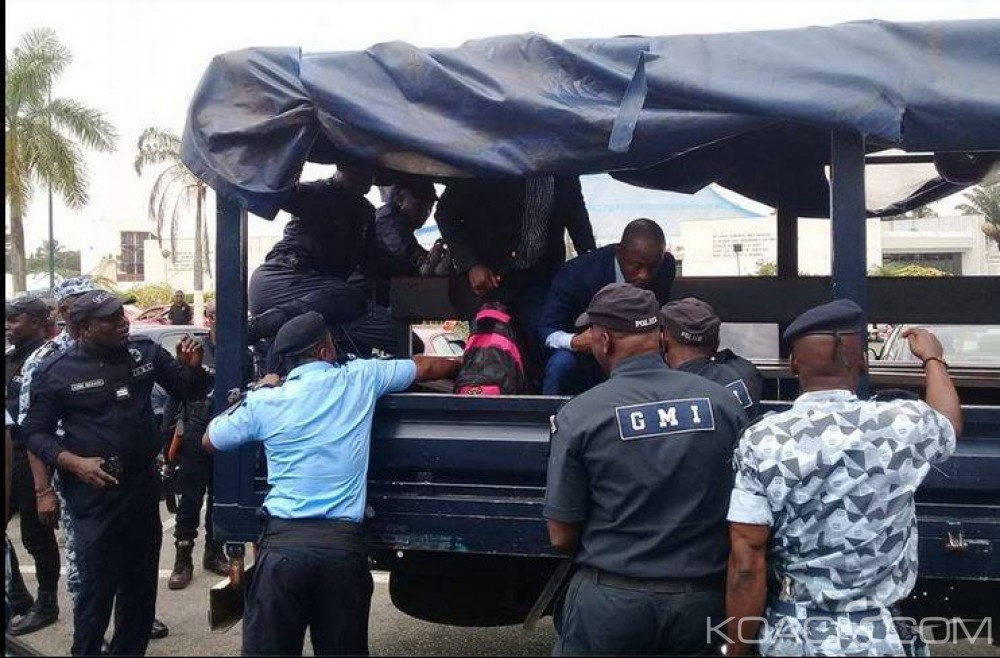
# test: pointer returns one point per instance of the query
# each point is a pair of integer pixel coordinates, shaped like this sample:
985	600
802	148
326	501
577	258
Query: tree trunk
18	265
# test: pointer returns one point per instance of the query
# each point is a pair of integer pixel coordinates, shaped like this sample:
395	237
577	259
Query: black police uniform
330	237
735	373
194	467
642	462
104	406
39	540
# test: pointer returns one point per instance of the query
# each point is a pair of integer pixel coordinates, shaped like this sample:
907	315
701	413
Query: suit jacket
481	222
580	279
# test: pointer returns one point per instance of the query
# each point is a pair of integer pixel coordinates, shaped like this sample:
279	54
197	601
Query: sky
140	60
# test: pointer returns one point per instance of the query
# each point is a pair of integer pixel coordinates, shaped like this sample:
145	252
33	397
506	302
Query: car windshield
972	344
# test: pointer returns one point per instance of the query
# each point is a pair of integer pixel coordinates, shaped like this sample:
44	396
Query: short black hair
642	230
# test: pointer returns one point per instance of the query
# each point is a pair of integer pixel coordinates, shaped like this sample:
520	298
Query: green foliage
985	201
152	294
899	269
67	263
44	137
766	269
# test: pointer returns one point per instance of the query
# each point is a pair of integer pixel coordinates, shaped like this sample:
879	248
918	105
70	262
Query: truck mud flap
226	602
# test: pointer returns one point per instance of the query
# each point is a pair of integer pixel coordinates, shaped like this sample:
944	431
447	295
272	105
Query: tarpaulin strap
493	314
480	341
629	109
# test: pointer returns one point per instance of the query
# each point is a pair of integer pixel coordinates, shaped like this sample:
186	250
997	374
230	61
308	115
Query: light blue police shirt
316	430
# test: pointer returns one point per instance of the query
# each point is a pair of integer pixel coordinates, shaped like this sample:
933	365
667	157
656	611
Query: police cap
842	316
691	321
622	307
95	304
33	306
300	333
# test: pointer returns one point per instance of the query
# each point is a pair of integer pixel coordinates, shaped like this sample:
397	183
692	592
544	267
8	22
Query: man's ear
793	364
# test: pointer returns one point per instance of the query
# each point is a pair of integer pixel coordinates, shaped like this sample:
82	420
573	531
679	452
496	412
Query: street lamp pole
52	245
738	249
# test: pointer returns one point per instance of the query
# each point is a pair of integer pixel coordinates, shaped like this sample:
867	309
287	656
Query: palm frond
37	60
58	162
156	145
83	123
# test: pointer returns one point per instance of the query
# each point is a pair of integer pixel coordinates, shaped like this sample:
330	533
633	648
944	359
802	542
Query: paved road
391	632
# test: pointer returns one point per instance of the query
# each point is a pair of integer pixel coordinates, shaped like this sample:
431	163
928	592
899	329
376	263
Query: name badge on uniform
665	417
86	386
142	370
742	393
121	393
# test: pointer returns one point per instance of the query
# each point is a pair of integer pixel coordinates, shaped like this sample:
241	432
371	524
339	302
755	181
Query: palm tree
176	189
43	135
985	201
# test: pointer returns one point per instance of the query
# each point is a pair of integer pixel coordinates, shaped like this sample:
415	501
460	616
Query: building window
131	263
946	262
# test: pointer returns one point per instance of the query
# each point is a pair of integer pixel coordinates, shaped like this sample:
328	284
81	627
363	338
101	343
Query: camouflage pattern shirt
54	346
835	477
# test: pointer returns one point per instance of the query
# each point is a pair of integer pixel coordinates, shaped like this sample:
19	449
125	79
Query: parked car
153	315
967	344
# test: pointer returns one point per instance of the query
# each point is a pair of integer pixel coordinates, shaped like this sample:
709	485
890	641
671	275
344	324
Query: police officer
99	389
37	506
690	342
824	498
194	474
65	294
312	568
638	487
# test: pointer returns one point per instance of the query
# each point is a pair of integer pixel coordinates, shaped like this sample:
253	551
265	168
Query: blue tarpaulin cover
752	111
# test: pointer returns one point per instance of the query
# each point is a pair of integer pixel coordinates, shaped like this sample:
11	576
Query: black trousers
38	539
327	589
194	480
118	536
358	324
595	618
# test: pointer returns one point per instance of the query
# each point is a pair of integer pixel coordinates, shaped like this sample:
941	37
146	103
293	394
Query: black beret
842	316
622	307
30	305
300	333
691	321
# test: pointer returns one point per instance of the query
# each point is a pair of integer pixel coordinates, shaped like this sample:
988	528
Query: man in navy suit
640	259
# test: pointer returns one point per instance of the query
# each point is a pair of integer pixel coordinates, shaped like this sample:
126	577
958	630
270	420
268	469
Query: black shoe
183	571
265	325
159	630
21	605
44	612
215	559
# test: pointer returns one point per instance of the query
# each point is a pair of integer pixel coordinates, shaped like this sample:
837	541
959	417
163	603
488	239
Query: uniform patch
742	393
86	386
136	354
122	393
663	418
142	370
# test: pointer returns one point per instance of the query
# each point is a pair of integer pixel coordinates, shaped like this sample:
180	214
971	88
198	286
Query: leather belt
653	585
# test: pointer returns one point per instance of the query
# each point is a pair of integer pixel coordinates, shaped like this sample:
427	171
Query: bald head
640	252
825	361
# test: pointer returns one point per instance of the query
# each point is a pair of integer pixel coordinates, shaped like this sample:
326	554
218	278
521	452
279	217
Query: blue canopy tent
750	111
